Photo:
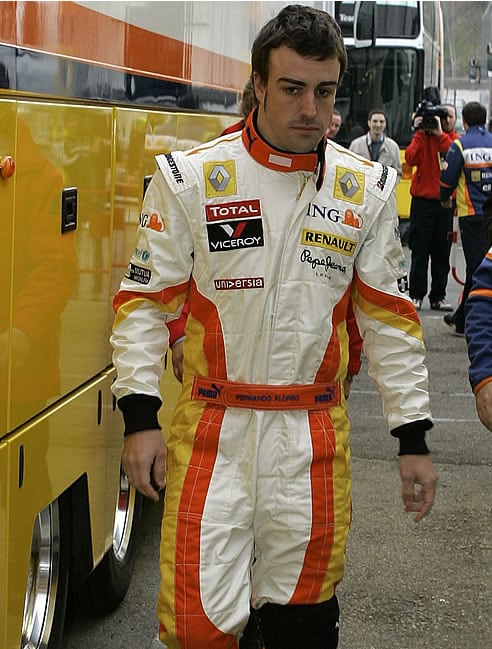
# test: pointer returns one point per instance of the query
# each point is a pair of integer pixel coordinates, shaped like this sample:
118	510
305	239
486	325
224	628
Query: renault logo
349	184
219	178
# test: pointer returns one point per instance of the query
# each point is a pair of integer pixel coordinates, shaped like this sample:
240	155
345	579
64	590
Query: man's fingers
144	459
419	499
418	484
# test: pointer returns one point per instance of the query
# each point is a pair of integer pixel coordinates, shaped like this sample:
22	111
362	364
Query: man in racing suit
468	169
478	327
268	237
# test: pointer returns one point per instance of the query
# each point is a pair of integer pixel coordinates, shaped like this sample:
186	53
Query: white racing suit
257	506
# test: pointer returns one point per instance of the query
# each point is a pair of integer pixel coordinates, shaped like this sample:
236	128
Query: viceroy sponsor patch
349	185
233	210
220	178
232	235
138	274
329	241
235	283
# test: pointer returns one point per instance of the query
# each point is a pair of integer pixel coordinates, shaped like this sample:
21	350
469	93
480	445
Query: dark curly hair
312	33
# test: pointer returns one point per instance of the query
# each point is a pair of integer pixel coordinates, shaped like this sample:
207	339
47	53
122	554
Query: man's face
296	104
448	123
376	124
335	124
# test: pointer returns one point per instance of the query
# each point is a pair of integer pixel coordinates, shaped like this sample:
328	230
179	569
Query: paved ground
407	586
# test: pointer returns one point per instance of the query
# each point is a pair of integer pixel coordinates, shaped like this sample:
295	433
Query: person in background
335	125
245	107
468	170
268	238
375	145
478	328
430	227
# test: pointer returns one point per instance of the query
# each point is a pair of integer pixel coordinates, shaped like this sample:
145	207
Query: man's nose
308	106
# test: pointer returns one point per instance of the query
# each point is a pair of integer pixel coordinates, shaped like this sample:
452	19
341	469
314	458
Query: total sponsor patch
233	210
329	241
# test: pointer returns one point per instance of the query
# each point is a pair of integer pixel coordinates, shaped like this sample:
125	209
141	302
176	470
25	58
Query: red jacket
423	152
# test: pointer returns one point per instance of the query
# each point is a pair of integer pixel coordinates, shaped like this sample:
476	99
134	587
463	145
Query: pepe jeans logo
321	264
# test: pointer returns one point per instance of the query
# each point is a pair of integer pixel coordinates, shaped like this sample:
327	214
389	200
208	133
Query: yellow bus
395	51
90	92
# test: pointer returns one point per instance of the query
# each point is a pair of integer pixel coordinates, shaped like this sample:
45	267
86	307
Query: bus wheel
106	586
47	585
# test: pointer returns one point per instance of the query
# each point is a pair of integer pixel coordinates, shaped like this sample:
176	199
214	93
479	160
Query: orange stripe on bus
72	30
7	22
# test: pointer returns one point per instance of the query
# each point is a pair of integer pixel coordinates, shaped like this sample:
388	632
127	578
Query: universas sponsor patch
238	283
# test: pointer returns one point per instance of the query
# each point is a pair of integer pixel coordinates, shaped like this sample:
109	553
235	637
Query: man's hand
177	356
483	400
144	459
418	484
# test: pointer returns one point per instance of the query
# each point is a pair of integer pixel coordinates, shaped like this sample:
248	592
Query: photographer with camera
430	228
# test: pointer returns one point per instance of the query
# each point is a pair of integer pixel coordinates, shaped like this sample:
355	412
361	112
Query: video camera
429	112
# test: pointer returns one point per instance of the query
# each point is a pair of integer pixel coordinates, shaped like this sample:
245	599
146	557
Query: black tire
108	583
47	586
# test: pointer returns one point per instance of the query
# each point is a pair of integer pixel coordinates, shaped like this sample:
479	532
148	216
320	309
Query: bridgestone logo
174	168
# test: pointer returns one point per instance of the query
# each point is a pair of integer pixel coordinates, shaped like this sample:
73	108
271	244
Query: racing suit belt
258	396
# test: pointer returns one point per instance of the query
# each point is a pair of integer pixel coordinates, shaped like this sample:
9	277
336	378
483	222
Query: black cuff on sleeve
139	412
412	437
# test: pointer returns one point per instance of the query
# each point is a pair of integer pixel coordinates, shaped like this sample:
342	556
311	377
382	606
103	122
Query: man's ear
259	86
